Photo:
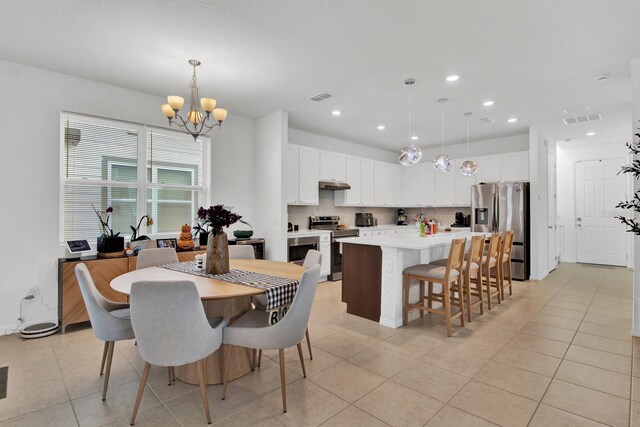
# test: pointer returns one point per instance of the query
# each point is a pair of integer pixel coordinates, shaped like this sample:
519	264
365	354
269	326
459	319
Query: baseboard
12	328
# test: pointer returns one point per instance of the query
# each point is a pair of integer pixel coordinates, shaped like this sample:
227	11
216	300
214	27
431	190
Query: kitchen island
372	271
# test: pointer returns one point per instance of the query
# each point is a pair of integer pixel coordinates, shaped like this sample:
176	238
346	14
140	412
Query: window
138	170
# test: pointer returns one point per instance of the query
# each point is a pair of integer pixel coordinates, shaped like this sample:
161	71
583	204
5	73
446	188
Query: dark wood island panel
362	279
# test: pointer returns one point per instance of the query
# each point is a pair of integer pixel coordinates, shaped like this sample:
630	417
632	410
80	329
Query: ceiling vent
487	120
576	110
582	119
321	96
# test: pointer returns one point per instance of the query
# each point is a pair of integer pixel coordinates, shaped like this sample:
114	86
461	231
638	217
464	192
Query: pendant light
442	162
410	154
468	167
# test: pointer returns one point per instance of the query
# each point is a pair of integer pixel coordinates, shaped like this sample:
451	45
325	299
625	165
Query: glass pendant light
468	167
410	154
442	162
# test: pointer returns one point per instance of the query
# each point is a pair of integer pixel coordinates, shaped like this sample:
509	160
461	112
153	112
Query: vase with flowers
108	242
215	218
135	235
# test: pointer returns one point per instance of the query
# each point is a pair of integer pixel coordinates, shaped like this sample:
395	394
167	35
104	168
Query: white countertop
408	226
303	233
409	241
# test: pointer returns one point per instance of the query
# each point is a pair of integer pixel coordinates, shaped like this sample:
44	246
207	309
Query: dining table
220	299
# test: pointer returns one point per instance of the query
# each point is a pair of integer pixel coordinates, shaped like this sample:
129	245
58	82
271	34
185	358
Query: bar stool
505	261
473	295
443	275
489	262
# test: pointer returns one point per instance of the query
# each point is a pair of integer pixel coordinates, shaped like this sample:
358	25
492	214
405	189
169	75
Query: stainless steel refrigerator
498	207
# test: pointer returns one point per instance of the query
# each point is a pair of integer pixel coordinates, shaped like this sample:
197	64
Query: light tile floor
558	352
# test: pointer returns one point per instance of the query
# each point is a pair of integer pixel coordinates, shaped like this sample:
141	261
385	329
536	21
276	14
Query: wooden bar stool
473	295
489	262
443	275
504	266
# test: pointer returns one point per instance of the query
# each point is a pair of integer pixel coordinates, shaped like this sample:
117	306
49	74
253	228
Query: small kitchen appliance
364	219
402	218
462	220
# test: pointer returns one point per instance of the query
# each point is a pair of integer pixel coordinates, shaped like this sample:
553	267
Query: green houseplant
135	235
631	221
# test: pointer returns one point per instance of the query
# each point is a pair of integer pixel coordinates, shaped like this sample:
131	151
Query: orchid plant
104	217
136	230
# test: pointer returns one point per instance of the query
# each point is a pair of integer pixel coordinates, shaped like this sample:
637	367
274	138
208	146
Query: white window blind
135	169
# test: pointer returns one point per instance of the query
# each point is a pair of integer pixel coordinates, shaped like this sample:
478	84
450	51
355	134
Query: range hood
333	185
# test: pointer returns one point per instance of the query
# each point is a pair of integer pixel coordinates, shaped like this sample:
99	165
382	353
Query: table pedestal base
240	360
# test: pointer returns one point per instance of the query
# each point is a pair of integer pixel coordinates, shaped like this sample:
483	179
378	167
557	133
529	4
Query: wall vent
576	110
487	120
321	96
582	119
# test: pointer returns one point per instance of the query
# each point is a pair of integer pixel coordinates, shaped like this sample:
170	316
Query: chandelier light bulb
409	155
468	168
442	163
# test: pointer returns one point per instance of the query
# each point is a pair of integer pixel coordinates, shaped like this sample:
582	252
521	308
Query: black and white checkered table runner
280	290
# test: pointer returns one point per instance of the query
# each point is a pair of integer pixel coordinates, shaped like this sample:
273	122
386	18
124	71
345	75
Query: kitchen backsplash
300	214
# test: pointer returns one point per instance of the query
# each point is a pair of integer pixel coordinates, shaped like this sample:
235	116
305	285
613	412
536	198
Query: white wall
538	160
477	148
29	171
567	156
270	203
321	142
635	83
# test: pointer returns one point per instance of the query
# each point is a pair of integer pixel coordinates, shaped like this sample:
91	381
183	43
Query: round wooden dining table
220	299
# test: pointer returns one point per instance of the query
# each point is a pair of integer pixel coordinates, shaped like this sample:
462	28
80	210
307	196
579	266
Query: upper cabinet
515	166
383	184
366	182
399	195
426	184
333	166
411	184
488	168
304	174
445	186
351	197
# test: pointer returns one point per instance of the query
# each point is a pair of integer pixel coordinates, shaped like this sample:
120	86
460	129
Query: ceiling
533	58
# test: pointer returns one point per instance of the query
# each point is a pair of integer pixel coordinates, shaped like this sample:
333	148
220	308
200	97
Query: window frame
141	185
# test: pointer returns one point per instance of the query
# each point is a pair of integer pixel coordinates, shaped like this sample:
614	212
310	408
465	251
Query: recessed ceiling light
453	78
381	127
336	112
487	103
414	138
590	133
512	119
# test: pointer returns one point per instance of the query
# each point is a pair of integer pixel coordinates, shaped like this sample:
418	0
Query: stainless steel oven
332	223
297	248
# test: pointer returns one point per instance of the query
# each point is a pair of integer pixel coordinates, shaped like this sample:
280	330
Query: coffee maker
402	218
462	220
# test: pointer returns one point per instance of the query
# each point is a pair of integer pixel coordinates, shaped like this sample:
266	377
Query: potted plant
632	222
108	242
201	230
216	218
135	237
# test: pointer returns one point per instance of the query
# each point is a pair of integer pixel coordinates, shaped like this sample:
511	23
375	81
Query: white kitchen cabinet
399	195
308	175
383	185
411	184
445	183
515	166
367	177
353	178
291	175
365	233
463	185
426	184
325	250
378	232
333	166
488	168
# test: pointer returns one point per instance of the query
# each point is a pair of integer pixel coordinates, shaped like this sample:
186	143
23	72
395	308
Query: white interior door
552	242
600	238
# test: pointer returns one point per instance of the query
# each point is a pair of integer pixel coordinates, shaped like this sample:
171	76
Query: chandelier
442	162
410	154
199	117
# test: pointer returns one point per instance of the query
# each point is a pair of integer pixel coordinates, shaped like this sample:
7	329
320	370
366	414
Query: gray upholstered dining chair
156	256
172	330
251	330
312	258
241	252
110	320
